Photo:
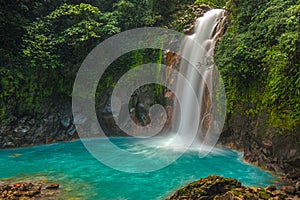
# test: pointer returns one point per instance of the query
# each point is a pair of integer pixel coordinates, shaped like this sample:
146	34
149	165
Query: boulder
271	188
206	187
20	131
71	130
297	186
219	188
52	186
289	189
65	122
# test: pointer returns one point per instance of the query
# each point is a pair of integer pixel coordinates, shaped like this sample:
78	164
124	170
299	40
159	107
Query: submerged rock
15	155
52	186
219	188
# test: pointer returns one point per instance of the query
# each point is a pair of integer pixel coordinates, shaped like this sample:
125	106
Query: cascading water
198	68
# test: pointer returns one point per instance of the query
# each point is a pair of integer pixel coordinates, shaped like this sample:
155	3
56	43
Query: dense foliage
259	59
50	48
43	43
212	3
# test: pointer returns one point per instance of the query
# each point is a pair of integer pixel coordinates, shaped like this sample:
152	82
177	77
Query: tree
50	50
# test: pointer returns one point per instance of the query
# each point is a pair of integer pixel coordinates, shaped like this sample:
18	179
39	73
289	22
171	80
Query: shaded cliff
54	122
262	145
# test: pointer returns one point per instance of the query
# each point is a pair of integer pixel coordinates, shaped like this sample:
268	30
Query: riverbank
264	147
209	188
29	191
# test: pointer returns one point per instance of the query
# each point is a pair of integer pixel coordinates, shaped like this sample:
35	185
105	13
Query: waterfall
198	69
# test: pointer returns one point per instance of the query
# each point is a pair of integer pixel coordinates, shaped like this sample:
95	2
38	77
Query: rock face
138	107
54	122
219	188
262	145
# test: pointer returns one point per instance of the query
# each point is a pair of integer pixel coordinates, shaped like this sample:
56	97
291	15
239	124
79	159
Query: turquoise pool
83	177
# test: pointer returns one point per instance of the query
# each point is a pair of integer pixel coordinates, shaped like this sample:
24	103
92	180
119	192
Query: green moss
249	196
282	120
182	18
263	194
212	3
236	192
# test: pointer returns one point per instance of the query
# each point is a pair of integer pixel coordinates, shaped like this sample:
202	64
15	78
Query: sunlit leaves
69	28
213	3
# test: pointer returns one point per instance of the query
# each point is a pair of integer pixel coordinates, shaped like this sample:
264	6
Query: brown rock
4	193
37	187
49	192
17	193
278	192
271	188
32	193
289	189
6	187
52	186
275	198
190	29
267	142
17	185
26	186
253	189
298	186
226	196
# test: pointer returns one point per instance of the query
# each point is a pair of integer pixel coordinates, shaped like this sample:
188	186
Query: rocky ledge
29	191
219	188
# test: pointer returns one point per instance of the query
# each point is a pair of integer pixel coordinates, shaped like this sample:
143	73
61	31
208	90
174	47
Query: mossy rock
206	188
237	191
219	188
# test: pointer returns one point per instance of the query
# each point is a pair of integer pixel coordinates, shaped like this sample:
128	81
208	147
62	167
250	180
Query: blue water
82	176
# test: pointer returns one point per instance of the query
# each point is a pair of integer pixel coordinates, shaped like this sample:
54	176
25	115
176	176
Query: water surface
82	176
